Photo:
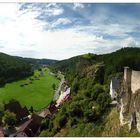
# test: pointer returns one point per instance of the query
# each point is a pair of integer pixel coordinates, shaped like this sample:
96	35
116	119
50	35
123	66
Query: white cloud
54	12
129	42
49	9
78	6
22	34
61	21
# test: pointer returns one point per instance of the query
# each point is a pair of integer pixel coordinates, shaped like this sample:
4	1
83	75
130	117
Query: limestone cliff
129	99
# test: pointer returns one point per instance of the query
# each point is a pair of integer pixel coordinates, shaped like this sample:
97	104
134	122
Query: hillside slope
38	62
112	63
89	76
12	68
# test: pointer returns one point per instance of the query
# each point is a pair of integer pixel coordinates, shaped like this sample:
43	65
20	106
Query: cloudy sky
59	31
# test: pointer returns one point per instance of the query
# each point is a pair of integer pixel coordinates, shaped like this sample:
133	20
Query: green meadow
36	91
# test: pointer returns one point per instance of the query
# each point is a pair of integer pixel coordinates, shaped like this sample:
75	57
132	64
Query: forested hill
39	62
111	63
89	77
116	61
13	68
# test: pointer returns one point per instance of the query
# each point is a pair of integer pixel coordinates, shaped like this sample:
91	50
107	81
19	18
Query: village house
65	95
45	113
30	128
52	108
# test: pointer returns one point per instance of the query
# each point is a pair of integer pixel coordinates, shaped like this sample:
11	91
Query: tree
31	109
75	85
62	121
9	118
53	86
1	112
103	100
97	89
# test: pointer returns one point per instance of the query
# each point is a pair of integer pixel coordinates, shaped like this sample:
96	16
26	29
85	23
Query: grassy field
34	91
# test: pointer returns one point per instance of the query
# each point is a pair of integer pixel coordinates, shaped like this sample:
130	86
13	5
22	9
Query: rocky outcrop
129	99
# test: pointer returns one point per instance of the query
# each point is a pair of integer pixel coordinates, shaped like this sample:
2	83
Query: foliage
9	118
1	112
108	64
46	133
53	86
31	109
13	68
45	124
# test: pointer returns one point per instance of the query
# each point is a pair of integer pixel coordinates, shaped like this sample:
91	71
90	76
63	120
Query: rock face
129	99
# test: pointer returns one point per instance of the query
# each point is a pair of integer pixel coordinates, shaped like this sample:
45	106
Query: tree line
12	68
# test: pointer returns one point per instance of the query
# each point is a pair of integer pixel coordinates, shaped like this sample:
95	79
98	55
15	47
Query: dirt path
59	134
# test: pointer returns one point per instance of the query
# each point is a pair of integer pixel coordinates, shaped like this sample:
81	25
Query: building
30	128
52	108
45	113
114	86
63	97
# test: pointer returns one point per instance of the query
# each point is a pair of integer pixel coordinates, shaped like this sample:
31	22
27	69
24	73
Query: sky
63	30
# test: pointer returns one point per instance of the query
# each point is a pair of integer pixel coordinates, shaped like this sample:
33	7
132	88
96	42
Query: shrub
75	85
46	133
76	111
103	100
53	86
9	118
73	121
45	124
97	89
62	121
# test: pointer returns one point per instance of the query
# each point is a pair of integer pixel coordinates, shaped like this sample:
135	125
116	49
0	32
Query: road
56	94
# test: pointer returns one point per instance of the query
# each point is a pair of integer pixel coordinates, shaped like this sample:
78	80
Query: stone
129	99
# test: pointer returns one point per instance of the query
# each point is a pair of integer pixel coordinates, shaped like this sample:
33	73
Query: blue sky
60	31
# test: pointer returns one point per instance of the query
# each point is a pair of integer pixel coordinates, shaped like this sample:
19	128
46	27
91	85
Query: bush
74	108
46	133
62	121
76	111
1	112
73	121
45	124
75	85
9	118
97	89
103	100
53	86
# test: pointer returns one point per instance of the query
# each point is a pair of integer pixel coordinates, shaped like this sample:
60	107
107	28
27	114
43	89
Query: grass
110	127
37	93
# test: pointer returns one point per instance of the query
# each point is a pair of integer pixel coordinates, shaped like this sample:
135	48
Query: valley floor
36	91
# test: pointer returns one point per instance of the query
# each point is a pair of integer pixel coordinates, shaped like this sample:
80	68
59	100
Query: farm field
36	91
